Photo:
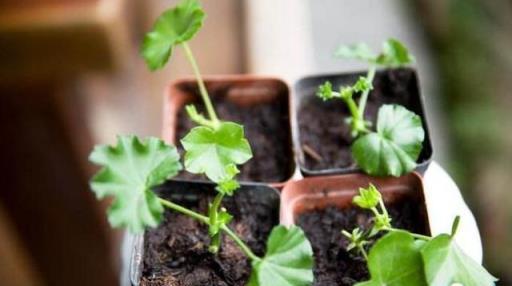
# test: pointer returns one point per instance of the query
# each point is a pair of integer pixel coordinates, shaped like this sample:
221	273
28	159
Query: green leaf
358	51
130	170
445	264
287	262
395	147
394	54
395	260
174	26
212	150
368	198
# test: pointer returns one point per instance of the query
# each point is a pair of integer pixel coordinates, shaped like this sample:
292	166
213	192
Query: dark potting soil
176	253
321	123
334	266
266	126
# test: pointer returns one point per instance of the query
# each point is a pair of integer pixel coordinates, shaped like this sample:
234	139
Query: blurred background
71	76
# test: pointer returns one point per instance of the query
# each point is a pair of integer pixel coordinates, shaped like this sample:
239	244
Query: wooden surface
57	38
44	186
16	267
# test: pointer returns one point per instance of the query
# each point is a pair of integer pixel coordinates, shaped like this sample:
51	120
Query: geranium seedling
133	167
395	145
403	258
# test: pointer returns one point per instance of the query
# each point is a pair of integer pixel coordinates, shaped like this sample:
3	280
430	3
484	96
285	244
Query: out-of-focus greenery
473	43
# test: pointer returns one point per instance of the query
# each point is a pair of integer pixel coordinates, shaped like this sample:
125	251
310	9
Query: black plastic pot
312	116
183	192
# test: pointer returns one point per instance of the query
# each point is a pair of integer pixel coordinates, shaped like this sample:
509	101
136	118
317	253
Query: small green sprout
403	258
325	91
368	198
396	145
357	240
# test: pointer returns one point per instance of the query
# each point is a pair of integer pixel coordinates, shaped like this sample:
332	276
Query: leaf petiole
200	82
185	211
363	252
199	118
415	235
241	244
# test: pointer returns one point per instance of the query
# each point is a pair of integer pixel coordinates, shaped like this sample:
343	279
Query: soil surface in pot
322	126
176	253
266	126
333	264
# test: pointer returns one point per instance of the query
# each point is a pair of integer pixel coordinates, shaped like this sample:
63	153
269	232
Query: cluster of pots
290	128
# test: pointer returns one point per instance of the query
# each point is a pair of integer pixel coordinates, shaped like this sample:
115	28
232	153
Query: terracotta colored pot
186	192
316	193
243	91
321	123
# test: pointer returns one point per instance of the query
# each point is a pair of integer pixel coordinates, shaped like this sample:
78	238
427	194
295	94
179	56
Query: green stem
358	125
241	244
383	207
364	96
200	82
213	213
352	106
363	251
375	211
185	211
214	210
415	235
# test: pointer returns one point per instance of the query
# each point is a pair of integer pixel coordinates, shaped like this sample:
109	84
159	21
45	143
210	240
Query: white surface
279	39
444	202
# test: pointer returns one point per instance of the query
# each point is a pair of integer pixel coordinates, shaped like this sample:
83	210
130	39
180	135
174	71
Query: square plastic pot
246	92
402	88
182	191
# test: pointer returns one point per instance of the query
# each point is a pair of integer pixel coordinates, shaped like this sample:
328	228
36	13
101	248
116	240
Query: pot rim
296	191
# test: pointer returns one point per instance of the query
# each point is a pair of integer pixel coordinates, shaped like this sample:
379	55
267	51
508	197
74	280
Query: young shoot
396	144
213	148
404	258
133	168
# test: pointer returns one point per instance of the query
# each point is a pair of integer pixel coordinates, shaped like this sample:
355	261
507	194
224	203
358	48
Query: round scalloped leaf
213	152
174	26
395	147
359	51
395	260
394	54
287	262
130	169
446	264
